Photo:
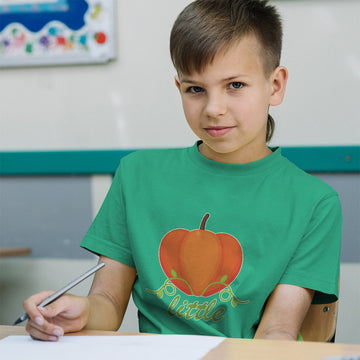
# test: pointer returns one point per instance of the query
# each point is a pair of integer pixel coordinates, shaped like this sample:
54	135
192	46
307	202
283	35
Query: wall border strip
85	162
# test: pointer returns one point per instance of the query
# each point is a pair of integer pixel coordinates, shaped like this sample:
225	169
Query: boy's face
226	105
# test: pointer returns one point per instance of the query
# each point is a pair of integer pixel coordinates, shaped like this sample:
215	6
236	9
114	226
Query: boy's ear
278	82
177	82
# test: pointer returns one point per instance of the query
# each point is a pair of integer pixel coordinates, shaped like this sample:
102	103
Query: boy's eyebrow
223	80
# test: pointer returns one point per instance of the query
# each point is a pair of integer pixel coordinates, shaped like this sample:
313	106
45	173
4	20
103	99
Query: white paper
134	347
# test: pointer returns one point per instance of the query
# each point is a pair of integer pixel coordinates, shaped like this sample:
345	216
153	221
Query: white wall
132	102
322	53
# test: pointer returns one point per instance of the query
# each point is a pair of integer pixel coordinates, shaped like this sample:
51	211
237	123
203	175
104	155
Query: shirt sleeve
108	234
316	261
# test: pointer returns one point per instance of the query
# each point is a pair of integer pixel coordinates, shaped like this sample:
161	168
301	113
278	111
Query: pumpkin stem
203	221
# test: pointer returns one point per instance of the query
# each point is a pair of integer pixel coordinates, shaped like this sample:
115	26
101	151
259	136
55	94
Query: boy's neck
243	156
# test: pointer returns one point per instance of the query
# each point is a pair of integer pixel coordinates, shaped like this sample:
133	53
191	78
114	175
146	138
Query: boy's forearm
103	314
109	295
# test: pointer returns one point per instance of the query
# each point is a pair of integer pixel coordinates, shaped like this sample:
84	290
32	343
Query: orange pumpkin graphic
200	262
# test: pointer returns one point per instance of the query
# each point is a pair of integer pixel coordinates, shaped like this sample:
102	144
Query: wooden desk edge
280	349
11	330
229	349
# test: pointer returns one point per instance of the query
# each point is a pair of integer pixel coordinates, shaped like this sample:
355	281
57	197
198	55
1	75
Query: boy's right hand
68	313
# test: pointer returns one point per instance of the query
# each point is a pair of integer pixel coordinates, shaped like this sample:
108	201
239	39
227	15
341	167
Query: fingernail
57	332
53	338
39	320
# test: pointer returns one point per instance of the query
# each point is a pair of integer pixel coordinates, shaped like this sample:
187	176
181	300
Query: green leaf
233	302
173	273
224	278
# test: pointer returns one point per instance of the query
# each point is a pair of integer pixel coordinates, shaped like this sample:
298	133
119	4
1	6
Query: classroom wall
132	103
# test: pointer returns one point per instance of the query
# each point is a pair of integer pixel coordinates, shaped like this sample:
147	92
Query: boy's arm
284	313
102	309
109	295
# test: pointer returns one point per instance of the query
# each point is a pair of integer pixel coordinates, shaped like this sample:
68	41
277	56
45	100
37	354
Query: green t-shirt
269	223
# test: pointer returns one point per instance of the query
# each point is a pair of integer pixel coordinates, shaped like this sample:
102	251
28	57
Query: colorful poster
53	32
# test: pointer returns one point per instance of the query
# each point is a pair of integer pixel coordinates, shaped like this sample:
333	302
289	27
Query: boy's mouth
217	131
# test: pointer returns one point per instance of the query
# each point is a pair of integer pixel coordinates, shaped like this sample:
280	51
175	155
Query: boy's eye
236	85
194	89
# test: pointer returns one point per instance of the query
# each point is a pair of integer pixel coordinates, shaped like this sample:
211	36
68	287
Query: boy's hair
206	27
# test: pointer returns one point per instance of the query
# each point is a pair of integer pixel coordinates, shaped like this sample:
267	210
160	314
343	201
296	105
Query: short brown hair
205	27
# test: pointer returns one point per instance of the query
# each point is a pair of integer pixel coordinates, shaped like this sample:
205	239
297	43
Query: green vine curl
168	284
226	294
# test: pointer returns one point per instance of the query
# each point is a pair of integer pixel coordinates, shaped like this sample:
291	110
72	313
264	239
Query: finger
41	324
51	324
46	325
31	304
43	330
38	334
56	311
69	312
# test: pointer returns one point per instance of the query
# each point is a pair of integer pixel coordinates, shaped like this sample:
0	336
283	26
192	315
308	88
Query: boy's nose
215	106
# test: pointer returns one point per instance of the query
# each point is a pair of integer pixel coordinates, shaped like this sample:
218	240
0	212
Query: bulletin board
53	32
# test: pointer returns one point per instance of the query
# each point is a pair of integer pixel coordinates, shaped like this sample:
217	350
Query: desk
12	251
234	349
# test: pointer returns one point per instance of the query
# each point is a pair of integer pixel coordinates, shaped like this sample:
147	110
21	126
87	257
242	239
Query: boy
269	239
